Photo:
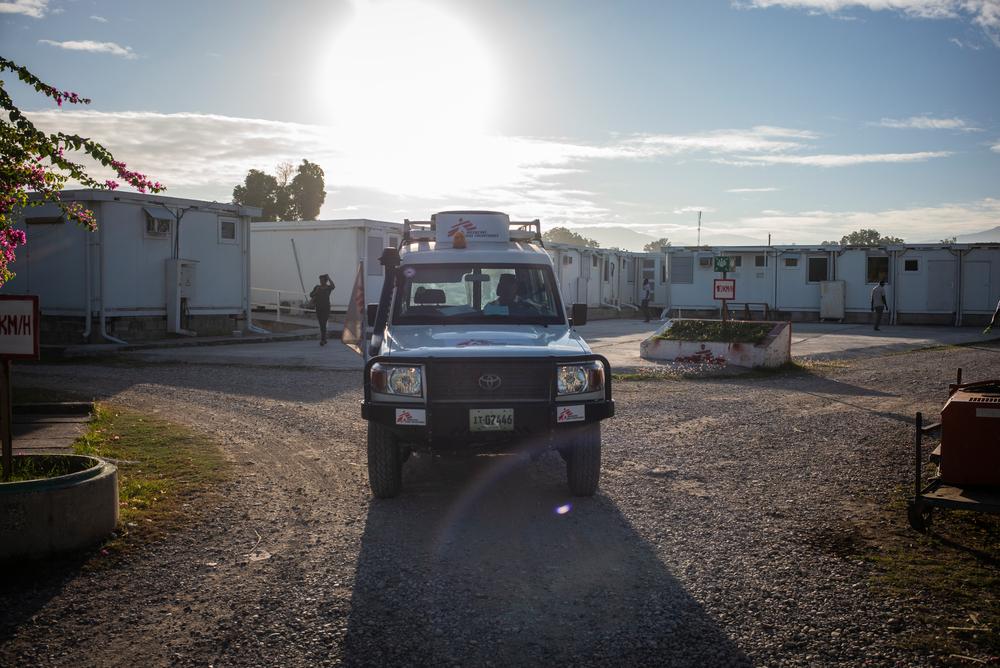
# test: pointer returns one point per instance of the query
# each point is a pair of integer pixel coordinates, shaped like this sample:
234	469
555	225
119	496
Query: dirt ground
713	540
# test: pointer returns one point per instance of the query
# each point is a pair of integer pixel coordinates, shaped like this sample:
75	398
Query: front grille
459	380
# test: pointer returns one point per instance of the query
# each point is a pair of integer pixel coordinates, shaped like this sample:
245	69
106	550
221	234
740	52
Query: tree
34	161
284	206
261	190
865	237
562	235
307	190
655	246
949	240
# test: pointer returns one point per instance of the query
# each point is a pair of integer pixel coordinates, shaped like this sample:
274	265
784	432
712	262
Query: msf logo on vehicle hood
490	381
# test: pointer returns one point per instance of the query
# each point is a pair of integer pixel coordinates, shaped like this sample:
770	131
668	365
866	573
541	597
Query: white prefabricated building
289	256
925	283
156	266
608	278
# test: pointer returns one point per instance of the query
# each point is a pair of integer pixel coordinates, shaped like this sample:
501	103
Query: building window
607	269
157	228
682	269
791	262
663	272
227	231
649	270
567	259
818	269
760	260
737	261
158	220
877	269
911	265
594	262
393	241
704	261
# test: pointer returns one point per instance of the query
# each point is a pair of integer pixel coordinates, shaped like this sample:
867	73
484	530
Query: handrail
276	303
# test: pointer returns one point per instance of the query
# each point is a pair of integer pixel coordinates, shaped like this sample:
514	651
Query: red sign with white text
724	288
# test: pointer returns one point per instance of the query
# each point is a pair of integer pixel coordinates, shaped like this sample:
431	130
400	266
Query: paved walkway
49	428
618	340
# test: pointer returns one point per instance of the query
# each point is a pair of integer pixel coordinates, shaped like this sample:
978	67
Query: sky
798	119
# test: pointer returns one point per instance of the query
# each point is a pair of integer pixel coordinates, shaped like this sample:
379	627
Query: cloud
33	8
912	224
995	148
205	155
982	13
758	139
927	123
694	209
836	160
93	47
752	190
99	19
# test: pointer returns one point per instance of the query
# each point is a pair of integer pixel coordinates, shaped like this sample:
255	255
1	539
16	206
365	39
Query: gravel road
712	541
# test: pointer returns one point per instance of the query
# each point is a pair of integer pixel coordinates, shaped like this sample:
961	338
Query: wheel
583	459
385	462
919	516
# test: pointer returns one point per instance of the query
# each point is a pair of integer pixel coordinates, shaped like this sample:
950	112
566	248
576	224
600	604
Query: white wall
52	264
324	247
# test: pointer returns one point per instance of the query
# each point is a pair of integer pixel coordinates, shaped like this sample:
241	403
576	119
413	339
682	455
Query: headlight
579	378
405	381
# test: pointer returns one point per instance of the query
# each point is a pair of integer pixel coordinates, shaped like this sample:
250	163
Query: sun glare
404	71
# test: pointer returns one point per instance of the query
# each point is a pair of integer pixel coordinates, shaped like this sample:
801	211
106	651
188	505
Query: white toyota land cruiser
472	353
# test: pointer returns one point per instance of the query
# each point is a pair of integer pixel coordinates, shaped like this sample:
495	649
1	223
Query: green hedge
716	330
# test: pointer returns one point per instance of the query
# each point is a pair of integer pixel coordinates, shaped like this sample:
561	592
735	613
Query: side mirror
579	317
372	314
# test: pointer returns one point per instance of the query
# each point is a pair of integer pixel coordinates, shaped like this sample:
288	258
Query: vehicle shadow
492	562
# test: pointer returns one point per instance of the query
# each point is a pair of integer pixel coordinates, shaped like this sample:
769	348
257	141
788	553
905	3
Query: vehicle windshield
477	294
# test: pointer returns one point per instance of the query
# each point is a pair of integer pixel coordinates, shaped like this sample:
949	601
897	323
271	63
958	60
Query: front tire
583	459
385	462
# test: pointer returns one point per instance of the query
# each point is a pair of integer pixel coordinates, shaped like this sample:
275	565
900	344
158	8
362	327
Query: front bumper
445	424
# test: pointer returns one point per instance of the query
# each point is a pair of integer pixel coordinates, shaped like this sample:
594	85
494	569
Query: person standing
879	304
647	296
320	297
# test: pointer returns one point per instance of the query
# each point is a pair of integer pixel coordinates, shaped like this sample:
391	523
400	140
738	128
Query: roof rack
425	230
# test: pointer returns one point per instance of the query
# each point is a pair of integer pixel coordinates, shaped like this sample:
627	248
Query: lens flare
563	509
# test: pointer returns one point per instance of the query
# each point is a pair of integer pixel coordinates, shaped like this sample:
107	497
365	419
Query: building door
976	287
941	285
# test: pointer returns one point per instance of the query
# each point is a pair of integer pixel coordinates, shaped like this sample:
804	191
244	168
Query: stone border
774	351
39	518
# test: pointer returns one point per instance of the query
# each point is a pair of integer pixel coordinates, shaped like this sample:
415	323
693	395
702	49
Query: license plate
491	419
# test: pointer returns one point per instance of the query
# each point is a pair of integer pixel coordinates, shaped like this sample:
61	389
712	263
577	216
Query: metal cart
939	494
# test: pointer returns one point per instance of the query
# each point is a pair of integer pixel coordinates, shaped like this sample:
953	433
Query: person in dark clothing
647	296
320	297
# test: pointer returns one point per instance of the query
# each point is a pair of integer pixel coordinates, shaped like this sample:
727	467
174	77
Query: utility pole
699	228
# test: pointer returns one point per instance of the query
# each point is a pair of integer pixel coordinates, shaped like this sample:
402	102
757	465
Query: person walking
879	304
647	296
320	297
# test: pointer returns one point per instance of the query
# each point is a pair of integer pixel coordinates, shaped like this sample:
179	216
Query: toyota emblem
489	381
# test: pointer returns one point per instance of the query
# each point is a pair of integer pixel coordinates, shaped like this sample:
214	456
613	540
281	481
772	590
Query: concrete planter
773	351
60	514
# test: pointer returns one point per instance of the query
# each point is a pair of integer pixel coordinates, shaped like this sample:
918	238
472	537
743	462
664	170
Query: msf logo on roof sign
483	230
465	225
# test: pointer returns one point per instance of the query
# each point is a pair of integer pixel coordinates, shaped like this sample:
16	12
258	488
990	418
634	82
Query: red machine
970	434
